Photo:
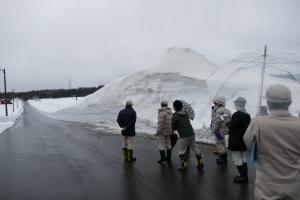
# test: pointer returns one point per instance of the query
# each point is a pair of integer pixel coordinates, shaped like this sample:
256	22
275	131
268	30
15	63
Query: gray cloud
44	42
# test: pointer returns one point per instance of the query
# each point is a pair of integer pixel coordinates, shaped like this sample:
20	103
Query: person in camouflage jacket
220	116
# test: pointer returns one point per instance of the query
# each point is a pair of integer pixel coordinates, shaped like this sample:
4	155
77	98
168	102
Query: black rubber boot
124	151
169	154
243	170
187	152
222	159
200	164
183	163
130	157
162	157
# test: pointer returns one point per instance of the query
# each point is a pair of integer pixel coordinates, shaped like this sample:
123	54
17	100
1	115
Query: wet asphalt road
42	158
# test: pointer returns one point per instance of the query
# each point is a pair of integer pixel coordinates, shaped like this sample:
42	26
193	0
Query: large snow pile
181	74
13	114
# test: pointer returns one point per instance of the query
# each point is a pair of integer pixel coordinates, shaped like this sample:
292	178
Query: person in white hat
220	116
237	127
277	138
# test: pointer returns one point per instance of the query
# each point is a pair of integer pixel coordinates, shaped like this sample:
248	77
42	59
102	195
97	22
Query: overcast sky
43	43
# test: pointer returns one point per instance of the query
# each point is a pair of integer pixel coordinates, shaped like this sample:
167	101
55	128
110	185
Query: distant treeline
54	93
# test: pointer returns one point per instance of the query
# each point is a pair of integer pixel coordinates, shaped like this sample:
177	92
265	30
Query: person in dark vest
237	127
126	120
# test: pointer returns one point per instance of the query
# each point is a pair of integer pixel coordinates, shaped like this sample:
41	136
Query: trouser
163	142
268	190
127	142
221	146
183	144
238	157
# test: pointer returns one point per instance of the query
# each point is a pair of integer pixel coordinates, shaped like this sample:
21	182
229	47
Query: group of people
235	126
274	140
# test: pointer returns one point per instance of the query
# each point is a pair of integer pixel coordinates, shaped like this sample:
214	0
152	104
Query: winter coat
181	123
277	139
220	116
164	126
126	120
237	128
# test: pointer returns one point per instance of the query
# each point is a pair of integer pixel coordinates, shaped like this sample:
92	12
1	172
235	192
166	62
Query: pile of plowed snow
181	74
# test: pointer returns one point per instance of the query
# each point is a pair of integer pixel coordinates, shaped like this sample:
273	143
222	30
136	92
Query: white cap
278	94
219	100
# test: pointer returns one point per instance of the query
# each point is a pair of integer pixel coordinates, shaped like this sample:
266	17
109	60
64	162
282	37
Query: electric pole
13	99
5	92
261	85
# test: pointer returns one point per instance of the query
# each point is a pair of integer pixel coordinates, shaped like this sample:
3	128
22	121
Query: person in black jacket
237	127
126	120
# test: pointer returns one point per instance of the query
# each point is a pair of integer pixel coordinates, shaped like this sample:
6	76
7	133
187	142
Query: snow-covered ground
7	122
52	105
181	74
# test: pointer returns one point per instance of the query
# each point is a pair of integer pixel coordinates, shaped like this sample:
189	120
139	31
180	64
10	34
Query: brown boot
200	164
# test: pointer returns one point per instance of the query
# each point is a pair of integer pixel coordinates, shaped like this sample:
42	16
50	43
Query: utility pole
5	92
13	99
70	83
261	85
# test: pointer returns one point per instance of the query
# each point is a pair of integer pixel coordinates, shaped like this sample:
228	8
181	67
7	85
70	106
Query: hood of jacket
181	113
165	109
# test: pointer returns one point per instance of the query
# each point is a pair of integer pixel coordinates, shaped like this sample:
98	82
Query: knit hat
129	102
177	105
219	100
164	103
278	94
240	101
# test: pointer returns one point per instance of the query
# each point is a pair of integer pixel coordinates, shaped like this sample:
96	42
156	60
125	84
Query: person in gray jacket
276	138
164	130
220	116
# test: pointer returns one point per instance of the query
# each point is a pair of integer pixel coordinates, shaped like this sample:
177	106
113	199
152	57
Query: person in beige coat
277	138
164	130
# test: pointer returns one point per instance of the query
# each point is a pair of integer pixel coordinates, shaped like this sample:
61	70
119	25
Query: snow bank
181	74
8	121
